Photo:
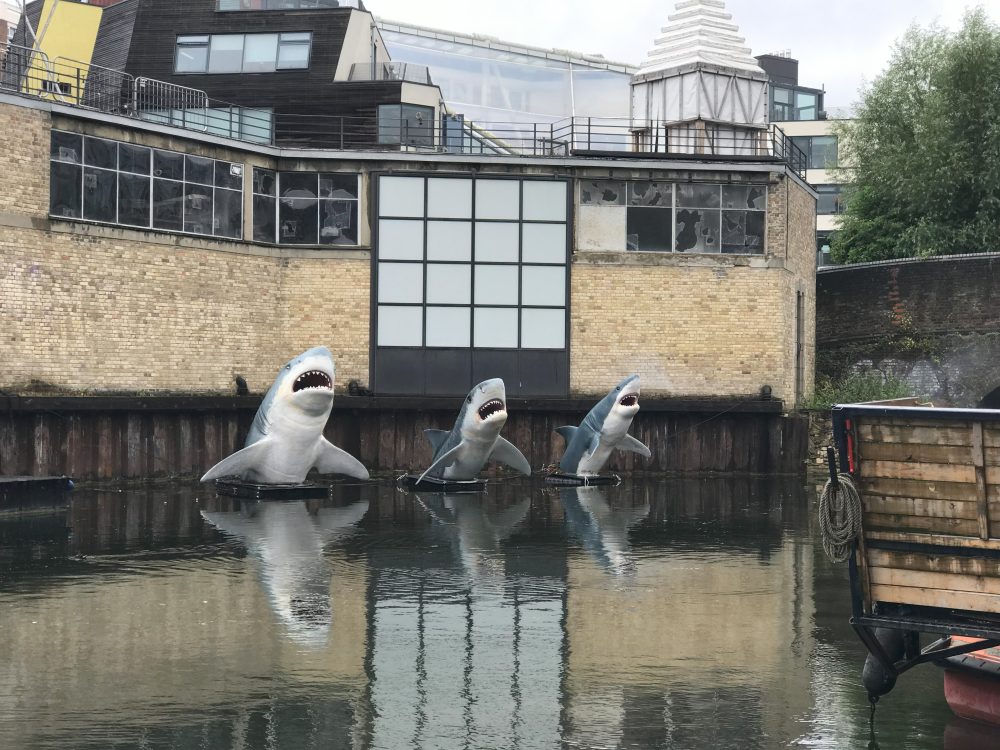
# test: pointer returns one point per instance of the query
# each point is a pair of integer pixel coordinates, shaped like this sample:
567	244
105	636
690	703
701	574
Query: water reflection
662	613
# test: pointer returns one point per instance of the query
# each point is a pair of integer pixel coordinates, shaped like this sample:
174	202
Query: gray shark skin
475	439
604	429
601	529
288	541
286	438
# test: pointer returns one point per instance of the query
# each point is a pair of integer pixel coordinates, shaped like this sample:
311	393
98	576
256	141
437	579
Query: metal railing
236	5
391	71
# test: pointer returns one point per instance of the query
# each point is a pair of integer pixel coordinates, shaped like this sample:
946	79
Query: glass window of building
821	150
830	200
407	124
806	105
781	105
305	208
242	53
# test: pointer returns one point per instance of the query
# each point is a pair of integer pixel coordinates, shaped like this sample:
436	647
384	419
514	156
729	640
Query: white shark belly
286	461
471	460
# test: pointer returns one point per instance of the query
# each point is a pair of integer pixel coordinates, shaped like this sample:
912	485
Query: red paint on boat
973	688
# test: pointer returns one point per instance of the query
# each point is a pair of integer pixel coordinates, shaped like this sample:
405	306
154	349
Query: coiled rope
839	518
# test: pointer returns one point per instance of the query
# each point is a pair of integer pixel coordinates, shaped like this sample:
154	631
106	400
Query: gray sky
839	43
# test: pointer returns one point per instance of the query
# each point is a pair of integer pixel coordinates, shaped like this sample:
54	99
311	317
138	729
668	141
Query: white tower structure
700	90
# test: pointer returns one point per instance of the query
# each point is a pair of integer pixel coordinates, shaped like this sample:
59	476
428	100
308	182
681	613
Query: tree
924	149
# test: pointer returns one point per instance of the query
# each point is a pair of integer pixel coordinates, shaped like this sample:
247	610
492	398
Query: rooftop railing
391	71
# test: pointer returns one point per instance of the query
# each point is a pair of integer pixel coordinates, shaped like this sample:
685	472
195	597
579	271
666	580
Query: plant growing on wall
924	149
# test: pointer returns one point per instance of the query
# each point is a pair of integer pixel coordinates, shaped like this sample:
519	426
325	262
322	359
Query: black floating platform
432	484
250	491
578	480
21	494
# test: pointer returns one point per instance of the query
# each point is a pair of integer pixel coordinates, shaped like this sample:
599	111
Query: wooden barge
927	559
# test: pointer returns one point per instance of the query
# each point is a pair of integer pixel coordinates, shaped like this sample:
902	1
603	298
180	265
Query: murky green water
659	614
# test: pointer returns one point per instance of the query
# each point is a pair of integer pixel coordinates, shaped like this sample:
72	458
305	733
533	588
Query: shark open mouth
629	400
312	379
490	408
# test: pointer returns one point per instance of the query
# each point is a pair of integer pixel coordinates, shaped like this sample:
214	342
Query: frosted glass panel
496	285
544	243
400	282
449	326
400	326
401	196
543	285
496	242
449	284
400	240
498	199
544	201
543	329
449	199
449	240
495	328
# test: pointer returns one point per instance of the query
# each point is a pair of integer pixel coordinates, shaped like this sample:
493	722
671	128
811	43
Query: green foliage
924	150
858	388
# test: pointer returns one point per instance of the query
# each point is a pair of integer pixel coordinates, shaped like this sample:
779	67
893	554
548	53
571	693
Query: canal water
662	613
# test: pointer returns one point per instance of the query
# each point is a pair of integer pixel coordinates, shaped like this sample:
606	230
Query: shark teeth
312	380
629	400
490	408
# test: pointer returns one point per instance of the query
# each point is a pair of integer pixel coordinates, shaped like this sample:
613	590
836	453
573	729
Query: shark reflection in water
601	529
288	539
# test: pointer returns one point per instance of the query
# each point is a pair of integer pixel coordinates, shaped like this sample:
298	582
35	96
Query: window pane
805	105
66	190
495	328
100	153
390	124
543	329
67	147
198	209
498	199
296	36
497	242
260	51
449	327
228	175
401	196
743	231
263	219
496	285
199	170
698	196
545	243
340	186
168	205
823	153
783	96
543	285
648	229
400	282
602	193
400	240
298	221
292	55
228	213
191	58
226	54
544	201
449	198
168	165
264	181
100	192
417	126
744	197
298	184
400	326
133	158
133	200
449	284
449	240
338	222
642	193
698	231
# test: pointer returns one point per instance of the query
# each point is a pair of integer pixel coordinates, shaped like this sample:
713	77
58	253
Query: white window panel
449	284
400	240
544	243
496	242
401	196
544	201
449	240
400	326
498	199
543	285
449	198
496	285
543	329
400	283
495	328
449	326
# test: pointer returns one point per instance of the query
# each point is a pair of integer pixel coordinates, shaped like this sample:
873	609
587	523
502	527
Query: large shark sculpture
288	541
475	439
604	429
602	530
286	438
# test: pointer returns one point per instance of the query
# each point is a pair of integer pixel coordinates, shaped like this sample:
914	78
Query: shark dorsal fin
567	432
436	438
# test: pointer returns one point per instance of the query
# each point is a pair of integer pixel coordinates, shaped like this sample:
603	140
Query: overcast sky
839	43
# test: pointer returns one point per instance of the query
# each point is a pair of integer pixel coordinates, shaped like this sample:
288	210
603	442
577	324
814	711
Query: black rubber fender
877	680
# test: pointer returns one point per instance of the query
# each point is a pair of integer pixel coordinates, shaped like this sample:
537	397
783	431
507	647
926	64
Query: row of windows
788	105
242	53
305	208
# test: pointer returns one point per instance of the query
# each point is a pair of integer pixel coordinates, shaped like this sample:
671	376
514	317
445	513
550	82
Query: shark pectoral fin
332	460
443	462
436	438
629	443
567	432
241	463
504	452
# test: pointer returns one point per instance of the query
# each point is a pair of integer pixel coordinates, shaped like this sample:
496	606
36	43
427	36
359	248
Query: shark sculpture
475	439
602	530
604	429
286	438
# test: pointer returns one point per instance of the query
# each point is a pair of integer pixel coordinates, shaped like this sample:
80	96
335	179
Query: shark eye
469	399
